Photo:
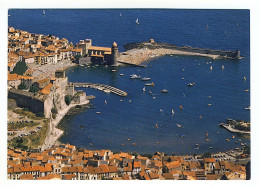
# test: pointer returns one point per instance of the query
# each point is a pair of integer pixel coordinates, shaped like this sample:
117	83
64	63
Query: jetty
234	126
101	87
138	53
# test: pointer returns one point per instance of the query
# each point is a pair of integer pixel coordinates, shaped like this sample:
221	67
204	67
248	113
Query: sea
143	121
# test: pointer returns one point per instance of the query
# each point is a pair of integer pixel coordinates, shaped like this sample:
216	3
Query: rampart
26	99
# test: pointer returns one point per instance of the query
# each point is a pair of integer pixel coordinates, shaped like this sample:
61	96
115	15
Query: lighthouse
114	55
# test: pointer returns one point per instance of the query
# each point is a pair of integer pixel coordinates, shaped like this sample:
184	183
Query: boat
9	15
161	110
121	74
191	84
164	91
105	101
172	112
128	139
137	21
149	84
246	90
134	144
210	147
247	108
154	97
120	14
178	125
227	139
233	136
242	144
200	116
210	68
209	104
207	139
197	145
206	134
181	107
130	101
134	76
144	89
222	67
145	79
122	144
156	125
98	112
157	142
245	78
207	27
81	127
113	70
43	12
182	135
182	78
90	144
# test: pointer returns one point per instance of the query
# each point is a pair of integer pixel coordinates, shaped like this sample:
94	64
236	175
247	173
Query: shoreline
54	133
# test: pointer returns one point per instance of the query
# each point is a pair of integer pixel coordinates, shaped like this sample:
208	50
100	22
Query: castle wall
26	100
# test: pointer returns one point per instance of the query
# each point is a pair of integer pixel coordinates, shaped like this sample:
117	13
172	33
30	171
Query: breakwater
156	45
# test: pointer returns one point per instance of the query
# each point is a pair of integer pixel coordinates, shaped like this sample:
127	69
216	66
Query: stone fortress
51	95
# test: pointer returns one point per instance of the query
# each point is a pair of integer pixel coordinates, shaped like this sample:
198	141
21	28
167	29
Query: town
39	96
66	162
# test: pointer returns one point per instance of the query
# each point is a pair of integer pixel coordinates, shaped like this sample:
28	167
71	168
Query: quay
102	87
229	128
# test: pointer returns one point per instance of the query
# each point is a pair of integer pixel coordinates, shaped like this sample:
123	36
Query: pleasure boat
164	91
137	21
149	84
145	79
134	76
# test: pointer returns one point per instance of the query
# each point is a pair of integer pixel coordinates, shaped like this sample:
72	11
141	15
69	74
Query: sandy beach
48	70
53	132
138	56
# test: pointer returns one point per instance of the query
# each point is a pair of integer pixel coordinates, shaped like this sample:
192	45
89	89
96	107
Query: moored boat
164	91
145	79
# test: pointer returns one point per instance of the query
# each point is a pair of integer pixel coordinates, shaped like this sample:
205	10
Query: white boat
145	79
210	68
178	125
172	112
164	91
134	76
113	70
137	22
207	27
161	110
223	67
247	108
120	14
43	12
191	84
244	78
121	74
144	89
149	84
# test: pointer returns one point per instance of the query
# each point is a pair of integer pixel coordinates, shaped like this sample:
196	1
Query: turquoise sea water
120	120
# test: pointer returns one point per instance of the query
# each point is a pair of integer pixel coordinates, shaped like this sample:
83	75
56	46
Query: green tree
34	88
20	68
68	99
54	110
22	86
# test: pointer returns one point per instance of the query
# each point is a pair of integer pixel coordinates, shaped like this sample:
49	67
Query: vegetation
68	99
20	68
19	143
22	124
34	89
22	86
26	112
38	138
54	110
147	155
134	154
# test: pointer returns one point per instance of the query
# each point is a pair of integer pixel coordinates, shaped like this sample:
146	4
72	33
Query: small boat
178	125
164	91
191	84
114	70
154	97
128	139
210	147
90	144
81	127
206	134
233	136
182	78
207	27
9	15
244	78
134	76
122	144
197	145
149	84
144	89
120	14
227	139
182	135
172	112
130	101
181	107
134	144
105	101
161	110
210	68
247	108
222	67
121	100
43	12
246	90
242	144
145	79
183	70
137	21
121	74
98	112
209	104
156	125
200	116
157	142
150	92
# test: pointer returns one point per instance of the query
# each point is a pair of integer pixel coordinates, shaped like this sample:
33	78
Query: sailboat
43	12
244	78
144	89
105	102
211	68
120	14
178	125
223	67
137	22
172	112
207	27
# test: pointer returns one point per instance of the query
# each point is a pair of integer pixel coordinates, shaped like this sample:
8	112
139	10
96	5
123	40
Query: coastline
54	133
139	56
